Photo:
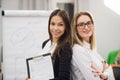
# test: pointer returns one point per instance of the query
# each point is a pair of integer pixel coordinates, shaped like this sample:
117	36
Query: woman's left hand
98	73
105	66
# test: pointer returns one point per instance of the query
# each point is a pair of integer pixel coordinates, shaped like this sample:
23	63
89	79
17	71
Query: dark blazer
62	63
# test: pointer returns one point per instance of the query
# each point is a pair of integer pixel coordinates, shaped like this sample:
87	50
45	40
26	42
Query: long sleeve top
81	62
62	62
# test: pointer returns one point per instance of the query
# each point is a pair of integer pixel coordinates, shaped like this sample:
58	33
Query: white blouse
81	62
49	47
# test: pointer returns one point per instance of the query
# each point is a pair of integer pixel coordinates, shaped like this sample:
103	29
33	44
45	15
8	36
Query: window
113	4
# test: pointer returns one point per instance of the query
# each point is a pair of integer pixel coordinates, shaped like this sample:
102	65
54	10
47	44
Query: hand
98	72
105	66
27	78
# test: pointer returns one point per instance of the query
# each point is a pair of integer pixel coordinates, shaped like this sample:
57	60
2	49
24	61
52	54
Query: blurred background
106	14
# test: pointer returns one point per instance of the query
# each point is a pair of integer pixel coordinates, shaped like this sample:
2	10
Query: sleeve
65	56
109	73
83	61
44	43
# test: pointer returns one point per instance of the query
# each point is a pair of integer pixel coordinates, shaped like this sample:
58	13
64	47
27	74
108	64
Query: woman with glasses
87	64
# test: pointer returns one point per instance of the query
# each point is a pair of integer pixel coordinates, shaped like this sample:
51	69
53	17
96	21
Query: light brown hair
75	37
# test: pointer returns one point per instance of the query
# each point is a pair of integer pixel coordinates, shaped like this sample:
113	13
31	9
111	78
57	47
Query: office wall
0	37
0	28
10	4
28	4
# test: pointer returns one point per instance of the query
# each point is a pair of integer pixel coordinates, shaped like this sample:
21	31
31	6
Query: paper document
40	67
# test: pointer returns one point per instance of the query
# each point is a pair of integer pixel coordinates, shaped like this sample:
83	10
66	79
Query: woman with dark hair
59	44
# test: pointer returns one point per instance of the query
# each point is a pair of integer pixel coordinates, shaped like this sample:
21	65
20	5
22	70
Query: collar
86	44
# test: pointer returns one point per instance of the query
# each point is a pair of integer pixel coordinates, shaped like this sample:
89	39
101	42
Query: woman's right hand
105	66
99	73
27	78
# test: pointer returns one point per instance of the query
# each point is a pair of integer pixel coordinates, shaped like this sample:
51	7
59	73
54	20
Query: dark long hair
65	38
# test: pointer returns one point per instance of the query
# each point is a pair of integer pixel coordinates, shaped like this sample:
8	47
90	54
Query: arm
106	72
65	55
106	75
99	73
109	73
82	59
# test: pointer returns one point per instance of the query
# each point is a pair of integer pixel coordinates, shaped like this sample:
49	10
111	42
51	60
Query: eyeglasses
82	24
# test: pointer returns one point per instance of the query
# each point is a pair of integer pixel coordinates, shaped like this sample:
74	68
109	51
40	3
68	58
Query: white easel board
23	34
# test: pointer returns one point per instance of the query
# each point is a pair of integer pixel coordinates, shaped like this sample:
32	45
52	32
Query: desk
113	65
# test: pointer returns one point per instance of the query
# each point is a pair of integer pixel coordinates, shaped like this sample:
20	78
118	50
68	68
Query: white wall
0	28
83	5
0	37
28	4
10	4
107	26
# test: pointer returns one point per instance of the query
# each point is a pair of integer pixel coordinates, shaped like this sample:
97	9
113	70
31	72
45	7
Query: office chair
116	72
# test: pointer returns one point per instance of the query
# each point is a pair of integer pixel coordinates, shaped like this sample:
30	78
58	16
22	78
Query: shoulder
44	43
78	47
80	52
66	49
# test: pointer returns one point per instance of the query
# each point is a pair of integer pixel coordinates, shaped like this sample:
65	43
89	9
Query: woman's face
57	27
84	27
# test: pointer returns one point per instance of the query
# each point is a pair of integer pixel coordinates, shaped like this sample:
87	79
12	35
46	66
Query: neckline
86	44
